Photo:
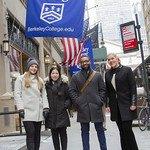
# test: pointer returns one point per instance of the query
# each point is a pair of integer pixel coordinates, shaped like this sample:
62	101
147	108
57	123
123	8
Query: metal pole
140	42
102	37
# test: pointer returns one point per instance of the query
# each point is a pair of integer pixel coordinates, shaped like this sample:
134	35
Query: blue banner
55	18
87	49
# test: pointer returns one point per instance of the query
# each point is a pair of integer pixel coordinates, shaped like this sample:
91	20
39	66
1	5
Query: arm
18	93
44	97
73	91
102	90
107	91
45	103
68	101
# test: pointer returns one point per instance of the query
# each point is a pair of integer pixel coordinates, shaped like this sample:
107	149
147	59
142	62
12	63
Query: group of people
87	92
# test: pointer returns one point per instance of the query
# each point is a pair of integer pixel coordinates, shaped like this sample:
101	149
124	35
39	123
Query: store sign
129	37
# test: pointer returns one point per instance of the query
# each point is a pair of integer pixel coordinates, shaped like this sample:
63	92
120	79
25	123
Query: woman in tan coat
32	103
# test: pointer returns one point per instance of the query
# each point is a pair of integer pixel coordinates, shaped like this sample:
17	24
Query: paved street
74	139
112	137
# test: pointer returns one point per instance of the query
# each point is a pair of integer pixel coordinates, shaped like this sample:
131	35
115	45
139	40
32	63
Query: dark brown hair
54	68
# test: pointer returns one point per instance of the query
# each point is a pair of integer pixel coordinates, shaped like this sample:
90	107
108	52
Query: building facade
112	13
12	64
146	12
137	9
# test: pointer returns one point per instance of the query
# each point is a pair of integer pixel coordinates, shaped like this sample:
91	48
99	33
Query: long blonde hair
27	81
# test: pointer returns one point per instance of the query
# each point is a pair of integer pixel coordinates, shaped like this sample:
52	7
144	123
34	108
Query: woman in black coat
122	95
58	98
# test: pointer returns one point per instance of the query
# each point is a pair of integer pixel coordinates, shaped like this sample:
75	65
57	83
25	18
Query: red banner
129	37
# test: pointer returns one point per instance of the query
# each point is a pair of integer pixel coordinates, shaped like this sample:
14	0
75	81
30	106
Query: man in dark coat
89	102
121	91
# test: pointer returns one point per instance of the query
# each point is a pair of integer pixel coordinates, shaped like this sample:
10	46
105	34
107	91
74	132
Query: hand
45	112
132	107
108	109
21	113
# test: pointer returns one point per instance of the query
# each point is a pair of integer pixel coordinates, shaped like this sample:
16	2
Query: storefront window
17	37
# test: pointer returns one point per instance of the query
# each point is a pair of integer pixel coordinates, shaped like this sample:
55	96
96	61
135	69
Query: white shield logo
51	12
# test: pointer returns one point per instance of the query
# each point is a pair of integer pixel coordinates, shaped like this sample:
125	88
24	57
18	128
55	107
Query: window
6	117
148	35
17	36
146	20
144	6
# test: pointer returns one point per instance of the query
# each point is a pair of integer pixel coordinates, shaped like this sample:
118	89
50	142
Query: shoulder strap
88	81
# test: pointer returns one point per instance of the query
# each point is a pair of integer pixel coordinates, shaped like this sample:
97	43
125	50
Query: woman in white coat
32	103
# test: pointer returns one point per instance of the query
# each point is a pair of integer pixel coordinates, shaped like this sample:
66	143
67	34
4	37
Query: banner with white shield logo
55	18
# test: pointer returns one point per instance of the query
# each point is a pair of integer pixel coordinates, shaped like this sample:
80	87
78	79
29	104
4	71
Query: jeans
33	134
62	134
85	128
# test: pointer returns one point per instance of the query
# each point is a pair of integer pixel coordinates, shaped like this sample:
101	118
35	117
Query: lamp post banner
55	18
129	37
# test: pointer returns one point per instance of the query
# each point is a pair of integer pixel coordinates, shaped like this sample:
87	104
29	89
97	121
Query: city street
57	53
74	139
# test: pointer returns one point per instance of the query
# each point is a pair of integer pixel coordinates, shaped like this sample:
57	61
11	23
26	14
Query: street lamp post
145	78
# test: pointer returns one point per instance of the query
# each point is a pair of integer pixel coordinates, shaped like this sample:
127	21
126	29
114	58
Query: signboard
55	18
129	37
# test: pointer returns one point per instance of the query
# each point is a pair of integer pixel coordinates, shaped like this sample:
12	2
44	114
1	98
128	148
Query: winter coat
88	103
59	101
121	99
30	99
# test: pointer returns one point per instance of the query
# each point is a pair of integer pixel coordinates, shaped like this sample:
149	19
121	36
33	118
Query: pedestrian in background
87	91
32	103
122	94
59	102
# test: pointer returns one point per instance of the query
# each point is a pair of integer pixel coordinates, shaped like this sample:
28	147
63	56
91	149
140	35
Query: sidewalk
74	138
112	137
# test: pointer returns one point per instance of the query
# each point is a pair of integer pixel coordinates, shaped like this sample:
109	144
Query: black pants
127	137
33	134
59	134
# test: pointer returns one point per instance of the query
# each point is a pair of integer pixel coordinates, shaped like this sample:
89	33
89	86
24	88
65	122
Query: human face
54	75
33	69
85	62
113	61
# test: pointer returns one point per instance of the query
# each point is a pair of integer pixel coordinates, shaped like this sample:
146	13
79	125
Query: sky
134	1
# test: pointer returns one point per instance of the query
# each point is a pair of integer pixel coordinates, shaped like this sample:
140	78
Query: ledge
7	95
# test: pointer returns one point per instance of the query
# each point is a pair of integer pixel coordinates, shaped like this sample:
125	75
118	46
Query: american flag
14	60
73	47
